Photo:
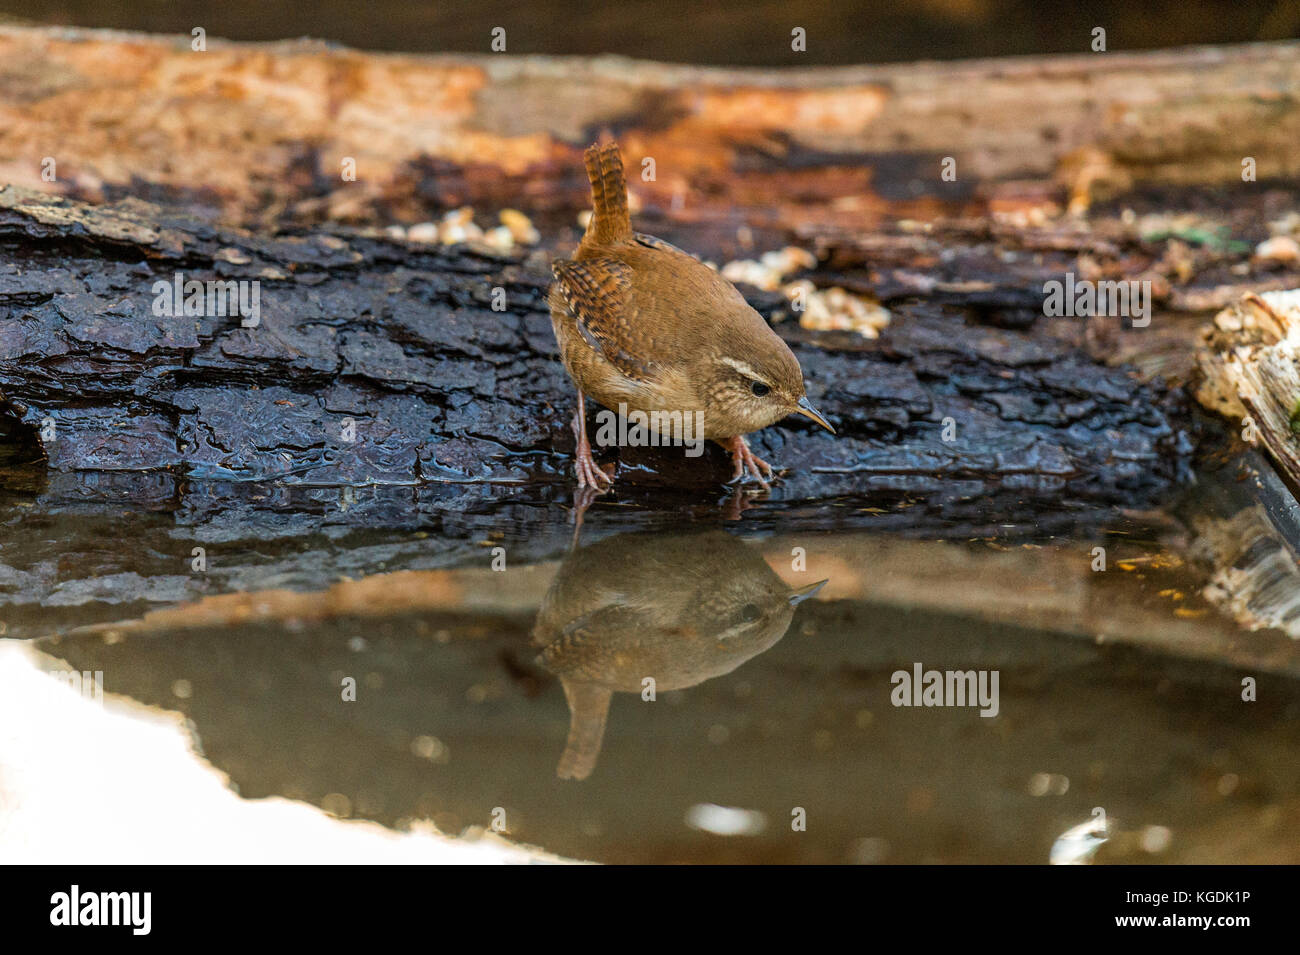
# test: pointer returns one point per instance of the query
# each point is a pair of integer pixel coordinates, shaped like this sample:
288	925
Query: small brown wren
643	325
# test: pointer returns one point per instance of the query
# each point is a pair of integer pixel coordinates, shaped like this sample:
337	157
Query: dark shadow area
731	32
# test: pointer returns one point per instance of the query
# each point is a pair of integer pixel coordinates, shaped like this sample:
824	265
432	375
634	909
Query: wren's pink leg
746	460
737	503
584	465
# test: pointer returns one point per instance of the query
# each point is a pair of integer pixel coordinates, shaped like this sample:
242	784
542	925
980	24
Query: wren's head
754	381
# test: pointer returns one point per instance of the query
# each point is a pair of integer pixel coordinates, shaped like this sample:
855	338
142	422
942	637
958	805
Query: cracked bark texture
401	340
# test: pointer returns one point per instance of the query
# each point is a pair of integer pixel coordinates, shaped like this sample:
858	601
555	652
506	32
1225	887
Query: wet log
382	363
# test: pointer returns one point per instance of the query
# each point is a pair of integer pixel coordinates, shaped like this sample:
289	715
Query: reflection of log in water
451	721
1255	573
1146	598
645	613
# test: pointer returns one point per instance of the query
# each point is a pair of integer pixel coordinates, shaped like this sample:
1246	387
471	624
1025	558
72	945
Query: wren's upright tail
609	221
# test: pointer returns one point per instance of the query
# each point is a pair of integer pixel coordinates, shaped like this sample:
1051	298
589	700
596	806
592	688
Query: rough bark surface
401	340
1250	375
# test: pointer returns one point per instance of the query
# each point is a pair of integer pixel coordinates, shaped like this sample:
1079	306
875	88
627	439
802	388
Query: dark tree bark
399	343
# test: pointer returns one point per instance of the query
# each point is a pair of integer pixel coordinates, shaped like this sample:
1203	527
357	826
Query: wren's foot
738	502
589	473
746	460
583	498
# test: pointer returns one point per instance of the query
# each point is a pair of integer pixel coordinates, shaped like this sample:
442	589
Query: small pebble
423	232
520	227
1280	248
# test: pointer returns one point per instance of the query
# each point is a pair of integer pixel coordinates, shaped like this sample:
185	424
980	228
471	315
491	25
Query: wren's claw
589	473
583	498
746	460
738	502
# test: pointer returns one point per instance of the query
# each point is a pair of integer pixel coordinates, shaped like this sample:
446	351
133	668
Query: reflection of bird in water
679	609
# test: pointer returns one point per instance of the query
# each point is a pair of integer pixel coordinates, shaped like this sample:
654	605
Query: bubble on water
725	820
430	748
1044	784
1078	844
1156	839
869	851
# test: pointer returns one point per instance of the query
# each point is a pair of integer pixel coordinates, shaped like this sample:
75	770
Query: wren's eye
750	612
759	389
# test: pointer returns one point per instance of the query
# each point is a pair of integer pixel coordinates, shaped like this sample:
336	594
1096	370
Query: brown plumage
642	324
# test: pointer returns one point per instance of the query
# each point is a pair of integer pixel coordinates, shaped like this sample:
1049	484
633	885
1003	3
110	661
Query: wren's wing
651	242
598	295
586	645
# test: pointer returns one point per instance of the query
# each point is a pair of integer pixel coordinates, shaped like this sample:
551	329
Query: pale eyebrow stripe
744	369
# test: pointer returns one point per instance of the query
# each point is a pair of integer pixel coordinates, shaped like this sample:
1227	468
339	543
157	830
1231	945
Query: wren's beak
803	593
808	411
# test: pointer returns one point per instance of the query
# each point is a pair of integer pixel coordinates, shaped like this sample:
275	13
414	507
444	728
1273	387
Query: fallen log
851	162
376	362
264	131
